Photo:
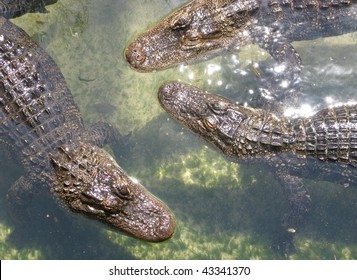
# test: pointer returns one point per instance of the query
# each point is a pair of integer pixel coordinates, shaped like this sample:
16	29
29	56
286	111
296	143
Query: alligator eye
218	108
89	198
210	123
209	32
123	192
181	21
192	35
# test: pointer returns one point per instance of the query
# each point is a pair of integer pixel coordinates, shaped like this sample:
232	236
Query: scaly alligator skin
288	147
16	8
205	28
41	125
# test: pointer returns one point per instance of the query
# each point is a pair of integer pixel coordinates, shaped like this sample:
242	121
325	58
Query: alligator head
236	130
89	181
197	31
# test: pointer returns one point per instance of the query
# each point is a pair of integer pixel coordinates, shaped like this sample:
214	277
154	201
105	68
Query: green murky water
223	210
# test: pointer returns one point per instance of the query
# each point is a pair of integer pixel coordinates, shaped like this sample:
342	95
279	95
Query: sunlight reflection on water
325	83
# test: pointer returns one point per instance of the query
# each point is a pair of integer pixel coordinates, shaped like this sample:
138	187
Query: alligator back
331	134
308	19
37	111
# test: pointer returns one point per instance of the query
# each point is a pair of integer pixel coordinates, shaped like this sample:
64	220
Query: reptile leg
298	198
19	196
101	133
299	206
283	86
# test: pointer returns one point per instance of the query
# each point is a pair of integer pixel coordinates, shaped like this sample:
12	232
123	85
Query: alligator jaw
90	182
200	112
192	33
191	105
144	216
138	214
157	49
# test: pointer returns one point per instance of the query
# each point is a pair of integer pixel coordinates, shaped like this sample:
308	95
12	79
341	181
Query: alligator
203	29
320	147
15	8
41	126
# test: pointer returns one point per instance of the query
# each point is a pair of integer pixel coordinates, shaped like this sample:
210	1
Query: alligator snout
164	229
135	55
166	92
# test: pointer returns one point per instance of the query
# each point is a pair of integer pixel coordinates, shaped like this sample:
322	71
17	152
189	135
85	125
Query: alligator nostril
134	54
165	91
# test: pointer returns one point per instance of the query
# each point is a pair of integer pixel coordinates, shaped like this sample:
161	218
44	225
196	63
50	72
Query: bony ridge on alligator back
203	29
41	125
289	147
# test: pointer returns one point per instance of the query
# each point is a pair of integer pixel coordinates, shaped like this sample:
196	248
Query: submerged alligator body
289	147
205	28
16	8
41	125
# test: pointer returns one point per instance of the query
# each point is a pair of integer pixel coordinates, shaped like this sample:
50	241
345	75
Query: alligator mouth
160	228
152	225
145	217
